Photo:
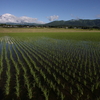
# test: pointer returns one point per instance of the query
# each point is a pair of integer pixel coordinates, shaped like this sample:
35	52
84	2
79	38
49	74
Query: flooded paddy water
46	68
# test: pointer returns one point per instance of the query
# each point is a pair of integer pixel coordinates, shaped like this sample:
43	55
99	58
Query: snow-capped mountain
9	18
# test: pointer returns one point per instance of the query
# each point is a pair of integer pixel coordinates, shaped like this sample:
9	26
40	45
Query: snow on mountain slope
9	18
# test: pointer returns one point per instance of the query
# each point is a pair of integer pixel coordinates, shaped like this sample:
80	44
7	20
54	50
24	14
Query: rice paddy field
49	65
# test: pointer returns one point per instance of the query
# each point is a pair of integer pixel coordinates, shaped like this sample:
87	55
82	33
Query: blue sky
49	10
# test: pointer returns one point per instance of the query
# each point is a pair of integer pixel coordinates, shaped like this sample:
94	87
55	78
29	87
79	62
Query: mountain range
13	20
76	23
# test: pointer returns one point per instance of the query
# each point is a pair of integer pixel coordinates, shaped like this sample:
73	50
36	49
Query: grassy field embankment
23	30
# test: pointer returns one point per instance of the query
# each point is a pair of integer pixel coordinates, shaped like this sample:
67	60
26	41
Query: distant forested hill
80	22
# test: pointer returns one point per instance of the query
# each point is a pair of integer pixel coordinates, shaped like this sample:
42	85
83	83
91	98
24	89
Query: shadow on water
1	94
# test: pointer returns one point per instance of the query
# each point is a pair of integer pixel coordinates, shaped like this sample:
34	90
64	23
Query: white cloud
52	18
75	17
13	19
98	16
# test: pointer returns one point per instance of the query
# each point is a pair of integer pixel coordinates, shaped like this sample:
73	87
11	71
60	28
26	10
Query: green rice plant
71	91
15	64
92	88
98	98
58	81
46	94
58	92
85	82
7	85
27	83
63	85
97	85
17	87
1	61
62	96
